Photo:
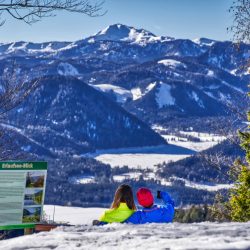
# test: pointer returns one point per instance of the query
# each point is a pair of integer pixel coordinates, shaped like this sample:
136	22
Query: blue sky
176	18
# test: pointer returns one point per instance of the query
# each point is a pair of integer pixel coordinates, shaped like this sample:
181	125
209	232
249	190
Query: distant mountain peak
204	41
122	29
121	32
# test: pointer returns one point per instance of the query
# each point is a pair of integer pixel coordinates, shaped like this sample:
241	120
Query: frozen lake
142	157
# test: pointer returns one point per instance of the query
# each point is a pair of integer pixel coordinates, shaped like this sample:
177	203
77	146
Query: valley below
126	105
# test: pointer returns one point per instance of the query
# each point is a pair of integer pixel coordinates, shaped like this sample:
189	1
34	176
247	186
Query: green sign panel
23	165
21	226
22	190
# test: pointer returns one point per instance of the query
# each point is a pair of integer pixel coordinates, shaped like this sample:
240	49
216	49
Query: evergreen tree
239	202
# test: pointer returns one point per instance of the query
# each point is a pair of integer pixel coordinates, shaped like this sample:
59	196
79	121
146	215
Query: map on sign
22	189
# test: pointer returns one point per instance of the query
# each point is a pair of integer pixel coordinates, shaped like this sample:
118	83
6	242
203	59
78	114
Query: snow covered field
175	236
208	186
205	136
123	236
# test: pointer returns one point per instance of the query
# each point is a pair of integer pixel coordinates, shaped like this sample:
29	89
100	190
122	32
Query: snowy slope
164	97
66	69
151	236
121	94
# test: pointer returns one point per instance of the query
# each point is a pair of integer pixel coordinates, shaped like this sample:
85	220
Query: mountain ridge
66	115
157	80
115	32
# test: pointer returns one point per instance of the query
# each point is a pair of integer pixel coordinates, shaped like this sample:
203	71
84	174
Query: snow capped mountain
120	32
155	78
124	44
24	48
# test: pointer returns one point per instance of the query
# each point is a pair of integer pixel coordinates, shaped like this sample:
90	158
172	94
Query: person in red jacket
151	213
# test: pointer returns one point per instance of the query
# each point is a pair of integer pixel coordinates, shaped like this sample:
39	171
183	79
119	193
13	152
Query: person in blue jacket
151	213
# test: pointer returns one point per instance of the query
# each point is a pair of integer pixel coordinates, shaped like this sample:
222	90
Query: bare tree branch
31	11
241	25
13	90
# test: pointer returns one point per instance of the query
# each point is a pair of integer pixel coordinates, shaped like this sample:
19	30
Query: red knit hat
145	197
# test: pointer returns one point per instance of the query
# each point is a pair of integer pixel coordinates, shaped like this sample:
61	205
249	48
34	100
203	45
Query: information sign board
22	190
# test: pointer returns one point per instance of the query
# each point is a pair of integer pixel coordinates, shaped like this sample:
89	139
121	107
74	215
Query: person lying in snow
151	213
122	207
